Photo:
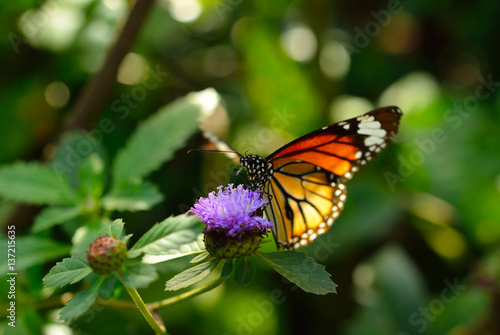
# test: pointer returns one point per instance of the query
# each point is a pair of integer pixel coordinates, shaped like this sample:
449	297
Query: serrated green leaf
227	269
169	234
245	272
132	198
52	216
85	235
35	183
155	140
68	271
33	250
109	287
139	275
300	270
191	276
200	258
186	249
114	228
81	302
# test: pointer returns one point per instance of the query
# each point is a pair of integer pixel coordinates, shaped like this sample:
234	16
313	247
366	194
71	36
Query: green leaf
169	234
35	183
74	148
155	140
139	197
81	302
52	216
185	249
245	272
91	176
191	276
114	228
33	250
139	275
200	258
300	270
227	269
69	271
85	235
109	288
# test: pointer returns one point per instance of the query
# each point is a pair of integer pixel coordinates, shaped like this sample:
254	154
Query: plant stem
197	291
144	309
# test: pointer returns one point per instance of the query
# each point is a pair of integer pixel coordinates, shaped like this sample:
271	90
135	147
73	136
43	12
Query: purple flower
233	211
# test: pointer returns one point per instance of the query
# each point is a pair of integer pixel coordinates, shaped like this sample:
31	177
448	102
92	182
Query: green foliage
114	228
81	302
132	198
139	275
245	272
52	216
422	213
300	270
192	275
34	250
68	271
155	141
169	237
35	183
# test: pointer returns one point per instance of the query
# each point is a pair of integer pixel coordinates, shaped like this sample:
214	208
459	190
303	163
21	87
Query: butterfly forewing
342	147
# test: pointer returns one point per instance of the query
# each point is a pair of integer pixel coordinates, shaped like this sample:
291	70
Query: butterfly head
258	170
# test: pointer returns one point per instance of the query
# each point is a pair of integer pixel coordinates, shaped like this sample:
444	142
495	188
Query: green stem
144	310
197	291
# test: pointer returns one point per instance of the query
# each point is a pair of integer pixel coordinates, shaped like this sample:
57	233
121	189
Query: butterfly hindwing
305	201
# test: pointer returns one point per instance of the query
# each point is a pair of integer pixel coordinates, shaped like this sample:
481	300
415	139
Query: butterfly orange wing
306	190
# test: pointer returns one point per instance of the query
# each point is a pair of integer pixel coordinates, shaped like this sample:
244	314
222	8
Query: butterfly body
303	180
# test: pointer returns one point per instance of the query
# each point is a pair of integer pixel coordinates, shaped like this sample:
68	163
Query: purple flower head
233	211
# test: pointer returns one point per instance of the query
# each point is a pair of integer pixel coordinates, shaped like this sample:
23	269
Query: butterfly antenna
209	150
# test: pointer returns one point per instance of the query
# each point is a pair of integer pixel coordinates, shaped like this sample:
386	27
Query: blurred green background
416	250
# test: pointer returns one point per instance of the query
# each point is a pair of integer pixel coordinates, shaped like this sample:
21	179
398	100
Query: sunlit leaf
170	234
156	139
191	276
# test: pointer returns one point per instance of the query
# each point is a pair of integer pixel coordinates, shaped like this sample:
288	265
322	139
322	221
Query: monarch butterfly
304	179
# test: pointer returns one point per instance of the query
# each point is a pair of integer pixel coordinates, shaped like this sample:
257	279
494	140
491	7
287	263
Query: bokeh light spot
334	60
299	43
132	70
347	106
413	92
185	10
57	94
447	242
